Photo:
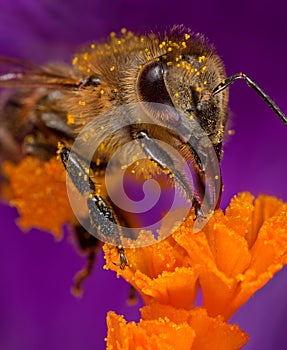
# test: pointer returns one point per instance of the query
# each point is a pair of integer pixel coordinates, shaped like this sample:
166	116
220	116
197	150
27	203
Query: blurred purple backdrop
37	310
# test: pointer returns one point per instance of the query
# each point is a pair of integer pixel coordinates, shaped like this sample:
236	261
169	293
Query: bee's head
184	79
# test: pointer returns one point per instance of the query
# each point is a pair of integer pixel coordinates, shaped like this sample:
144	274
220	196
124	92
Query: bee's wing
21	73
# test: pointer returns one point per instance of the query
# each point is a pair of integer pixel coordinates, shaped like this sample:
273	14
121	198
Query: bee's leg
103	218
40	150
77	289
90	246
164	161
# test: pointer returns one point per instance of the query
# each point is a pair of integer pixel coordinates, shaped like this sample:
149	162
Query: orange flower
164	327
38	190
239	252
230	259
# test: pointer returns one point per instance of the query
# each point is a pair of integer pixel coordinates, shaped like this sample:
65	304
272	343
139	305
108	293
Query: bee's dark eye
151	85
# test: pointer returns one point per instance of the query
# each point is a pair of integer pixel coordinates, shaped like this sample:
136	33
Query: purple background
37	310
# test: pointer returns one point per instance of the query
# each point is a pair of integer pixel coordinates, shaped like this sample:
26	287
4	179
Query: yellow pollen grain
123	30
176	95
112	68
205	82
198	89
92	46
75	60
85	56
175	45
231	132
201	58
191	117
169	49
102	91
187	36
216	177
70	119
169	64
203	69
183	44
82	103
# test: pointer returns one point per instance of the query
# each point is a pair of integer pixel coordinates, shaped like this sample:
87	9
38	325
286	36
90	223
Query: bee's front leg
102	216
157	154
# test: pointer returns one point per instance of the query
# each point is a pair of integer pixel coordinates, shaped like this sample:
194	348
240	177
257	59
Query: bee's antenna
225	83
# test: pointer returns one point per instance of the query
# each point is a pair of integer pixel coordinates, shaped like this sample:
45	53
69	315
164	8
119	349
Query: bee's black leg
165	162
77	289
103	219
90	246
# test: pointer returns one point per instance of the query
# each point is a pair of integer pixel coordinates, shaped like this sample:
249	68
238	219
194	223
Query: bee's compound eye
151	85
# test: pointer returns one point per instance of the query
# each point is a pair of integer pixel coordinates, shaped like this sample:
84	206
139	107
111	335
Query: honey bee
53	104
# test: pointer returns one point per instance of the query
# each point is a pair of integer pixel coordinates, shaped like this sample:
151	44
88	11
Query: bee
52	104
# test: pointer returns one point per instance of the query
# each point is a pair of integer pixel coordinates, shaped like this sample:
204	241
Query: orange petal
161	334
272	240
176	288
211	332
247	217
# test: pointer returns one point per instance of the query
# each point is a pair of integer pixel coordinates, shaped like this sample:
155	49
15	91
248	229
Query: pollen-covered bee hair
53	103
